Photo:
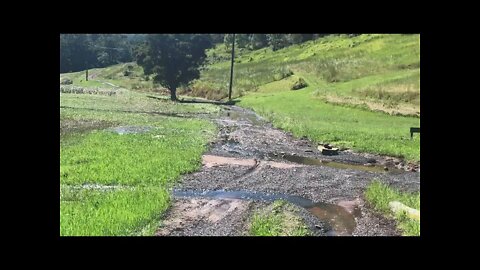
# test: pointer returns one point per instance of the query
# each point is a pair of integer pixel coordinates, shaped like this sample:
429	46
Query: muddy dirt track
251	164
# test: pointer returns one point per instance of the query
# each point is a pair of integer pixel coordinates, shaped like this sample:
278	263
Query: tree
258	41
75	52
306	37
173	59
217	38
277	41
242	40
294	38
84	51
227	40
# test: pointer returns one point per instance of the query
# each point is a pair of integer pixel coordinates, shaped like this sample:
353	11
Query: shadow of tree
194	100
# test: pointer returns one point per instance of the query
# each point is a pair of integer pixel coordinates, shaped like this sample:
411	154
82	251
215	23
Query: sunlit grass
380	195
110	213
354	128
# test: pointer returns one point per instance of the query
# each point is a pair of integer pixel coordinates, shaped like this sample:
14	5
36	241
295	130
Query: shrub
299	84
66	81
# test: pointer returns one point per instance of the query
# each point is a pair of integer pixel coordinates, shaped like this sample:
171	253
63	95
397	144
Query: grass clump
279	219
380	195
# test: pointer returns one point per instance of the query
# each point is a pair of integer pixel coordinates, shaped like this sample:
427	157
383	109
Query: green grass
279	219
131	159
130	173
112	74
379	195
110	213
356	128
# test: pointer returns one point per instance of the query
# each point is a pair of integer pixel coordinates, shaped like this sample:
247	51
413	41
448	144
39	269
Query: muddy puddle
340	220
68	126
243	116
333	164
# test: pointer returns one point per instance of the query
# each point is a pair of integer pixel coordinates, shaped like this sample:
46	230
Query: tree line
274	41
84	51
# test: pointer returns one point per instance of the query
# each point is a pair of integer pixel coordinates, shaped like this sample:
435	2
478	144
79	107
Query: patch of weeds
278	219
380	195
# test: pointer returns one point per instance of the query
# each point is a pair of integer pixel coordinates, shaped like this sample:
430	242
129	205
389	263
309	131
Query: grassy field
346	127
117	184
278	219
379	195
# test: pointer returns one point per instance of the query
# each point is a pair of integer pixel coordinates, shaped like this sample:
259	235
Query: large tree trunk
173	94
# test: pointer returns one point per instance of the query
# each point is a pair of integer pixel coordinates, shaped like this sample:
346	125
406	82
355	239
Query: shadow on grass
193	100
179	115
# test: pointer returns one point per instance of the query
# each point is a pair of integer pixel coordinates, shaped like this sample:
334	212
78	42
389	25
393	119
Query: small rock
308	151
293	154
371	160
368	165
385	168
318	226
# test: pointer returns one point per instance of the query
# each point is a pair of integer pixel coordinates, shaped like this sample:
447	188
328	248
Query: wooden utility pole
86	75
231	69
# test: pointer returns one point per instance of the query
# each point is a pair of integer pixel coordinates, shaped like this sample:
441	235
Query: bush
299	84
66	81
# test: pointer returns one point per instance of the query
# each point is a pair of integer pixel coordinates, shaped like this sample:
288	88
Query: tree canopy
84	51
173	59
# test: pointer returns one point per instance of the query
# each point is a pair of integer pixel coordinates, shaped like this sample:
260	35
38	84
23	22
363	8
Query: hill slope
378	72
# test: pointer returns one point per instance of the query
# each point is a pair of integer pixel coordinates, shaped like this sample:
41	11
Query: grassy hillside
378	72
125	75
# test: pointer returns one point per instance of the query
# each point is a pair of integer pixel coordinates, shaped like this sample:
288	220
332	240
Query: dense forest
83	51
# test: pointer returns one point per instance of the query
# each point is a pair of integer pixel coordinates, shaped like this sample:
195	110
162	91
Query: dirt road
252	163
